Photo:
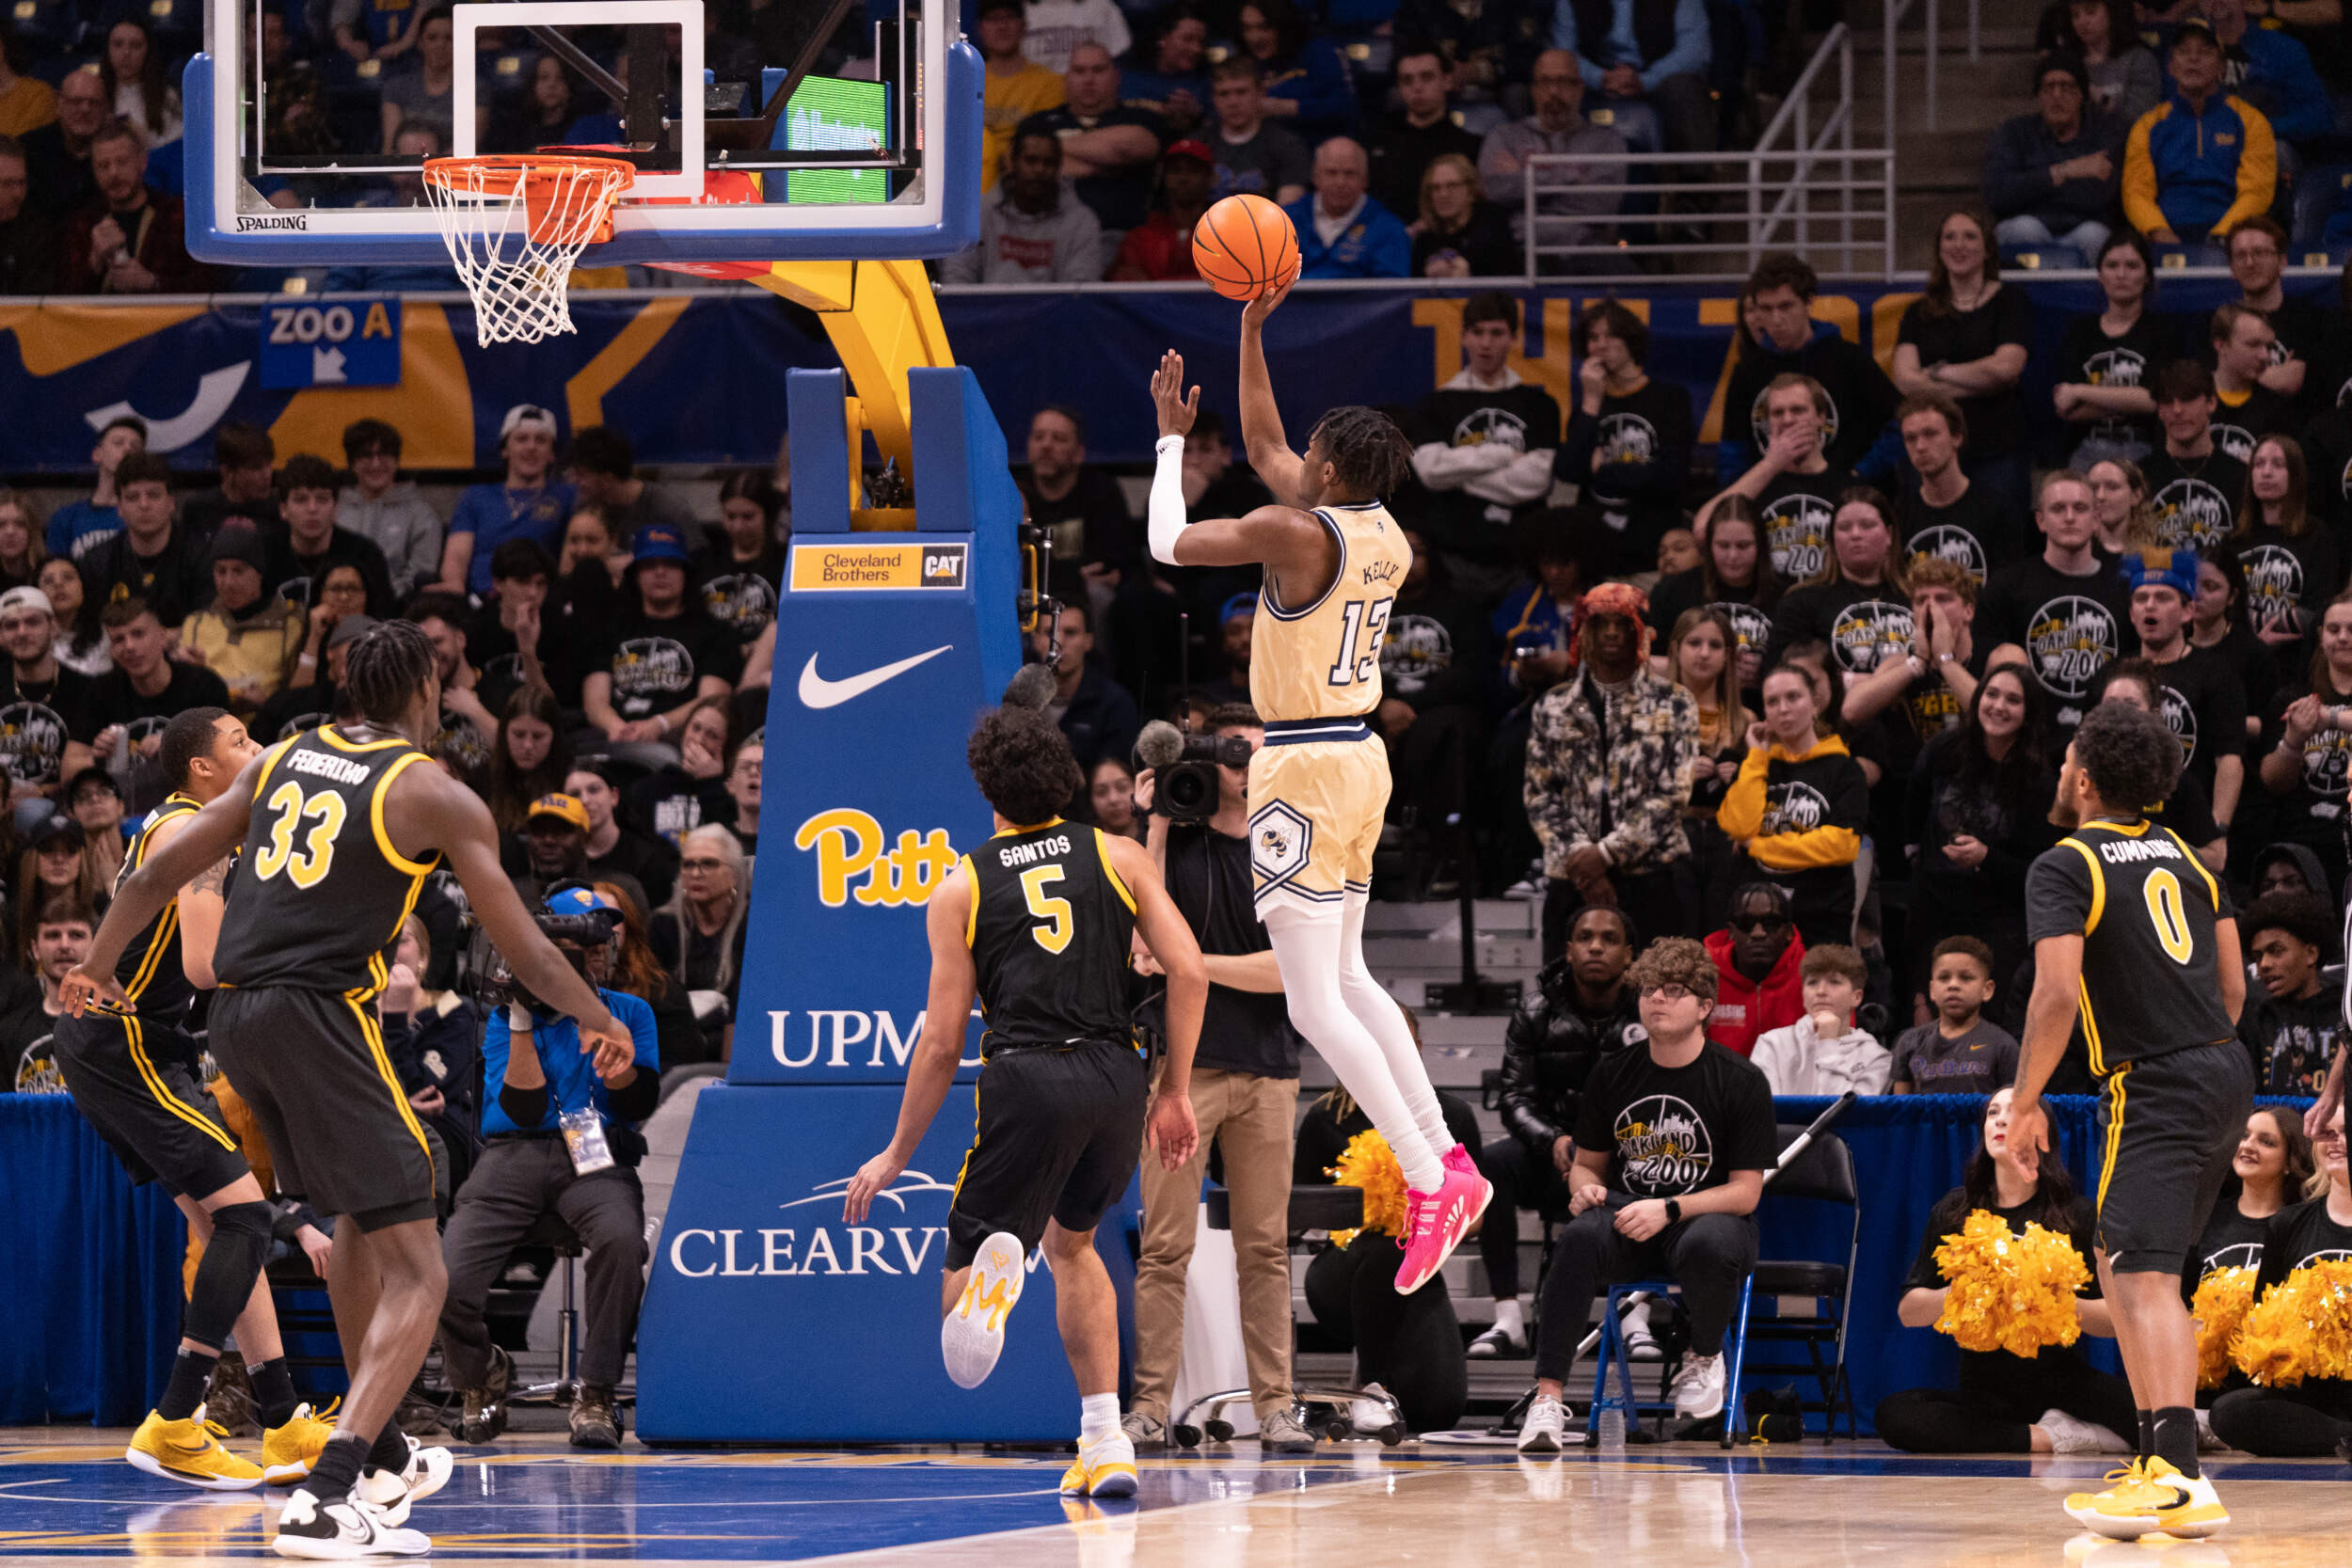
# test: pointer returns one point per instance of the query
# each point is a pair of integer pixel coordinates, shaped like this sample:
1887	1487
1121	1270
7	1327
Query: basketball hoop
521	292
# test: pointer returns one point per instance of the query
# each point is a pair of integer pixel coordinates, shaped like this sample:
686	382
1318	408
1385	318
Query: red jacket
1156	252
1743	1009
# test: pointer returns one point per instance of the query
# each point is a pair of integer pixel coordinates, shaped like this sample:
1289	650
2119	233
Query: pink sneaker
1457	1159
1434	1223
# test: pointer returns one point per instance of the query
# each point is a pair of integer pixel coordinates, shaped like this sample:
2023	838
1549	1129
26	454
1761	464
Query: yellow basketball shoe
1104	1468
2161	1498
290	1450
2081	1505
190	1452
972	1336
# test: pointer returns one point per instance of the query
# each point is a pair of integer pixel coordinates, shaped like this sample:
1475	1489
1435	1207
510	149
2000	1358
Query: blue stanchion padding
768	1319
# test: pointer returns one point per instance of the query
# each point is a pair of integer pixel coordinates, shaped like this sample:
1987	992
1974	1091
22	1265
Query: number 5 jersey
320	893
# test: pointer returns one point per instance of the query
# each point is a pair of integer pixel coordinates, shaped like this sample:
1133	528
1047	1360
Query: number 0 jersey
1322	659
321	892
2146	909
1050	930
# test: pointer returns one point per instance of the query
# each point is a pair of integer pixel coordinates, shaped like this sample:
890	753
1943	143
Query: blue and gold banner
699	378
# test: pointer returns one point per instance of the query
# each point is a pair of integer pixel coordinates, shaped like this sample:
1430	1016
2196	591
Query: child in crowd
1823	1052
1963	1051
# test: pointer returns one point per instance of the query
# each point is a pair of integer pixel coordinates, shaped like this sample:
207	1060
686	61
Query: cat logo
943	565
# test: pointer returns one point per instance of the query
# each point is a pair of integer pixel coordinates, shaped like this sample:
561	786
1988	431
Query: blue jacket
1375	245
2195	174
1694	47
572	1080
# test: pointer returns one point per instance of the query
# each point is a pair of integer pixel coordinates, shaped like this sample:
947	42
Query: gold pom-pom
2010	1292
2301	1328
2223	1298
1368	1163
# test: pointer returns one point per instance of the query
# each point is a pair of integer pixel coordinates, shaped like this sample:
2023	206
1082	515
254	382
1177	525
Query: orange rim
568	200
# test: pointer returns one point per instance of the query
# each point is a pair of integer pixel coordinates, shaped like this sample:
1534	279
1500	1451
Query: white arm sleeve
1166	511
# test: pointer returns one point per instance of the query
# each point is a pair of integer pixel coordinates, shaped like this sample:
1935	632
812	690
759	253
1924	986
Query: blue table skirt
96	1330
104	1256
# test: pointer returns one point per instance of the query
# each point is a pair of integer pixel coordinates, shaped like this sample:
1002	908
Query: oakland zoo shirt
1677	1131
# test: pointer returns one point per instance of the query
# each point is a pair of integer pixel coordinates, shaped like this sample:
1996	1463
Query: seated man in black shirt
44	706
60	937
2292	1019
616	851
513	639
132	703
662	657
1672	1144
1583	1015
153	557
309	544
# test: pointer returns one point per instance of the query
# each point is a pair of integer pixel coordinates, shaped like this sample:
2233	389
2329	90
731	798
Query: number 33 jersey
1321	659
1050	926
321	892
2146	909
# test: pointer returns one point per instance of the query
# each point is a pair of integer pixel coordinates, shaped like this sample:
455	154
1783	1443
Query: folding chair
1823	1174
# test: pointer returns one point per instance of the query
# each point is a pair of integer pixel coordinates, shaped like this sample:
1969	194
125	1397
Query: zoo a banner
698	377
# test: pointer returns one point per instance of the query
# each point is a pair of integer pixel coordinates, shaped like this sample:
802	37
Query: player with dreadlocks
340	826
1319	787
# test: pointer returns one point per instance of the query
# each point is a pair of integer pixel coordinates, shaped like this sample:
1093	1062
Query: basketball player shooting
1318	788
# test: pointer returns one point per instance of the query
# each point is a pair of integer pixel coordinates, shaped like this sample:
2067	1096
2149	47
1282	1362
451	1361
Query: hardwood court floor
66	1496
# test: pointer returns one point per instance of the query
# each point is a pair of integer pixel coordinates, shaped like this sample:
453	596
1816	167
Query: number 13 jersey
1050	926
1322	659
2146	909
321	892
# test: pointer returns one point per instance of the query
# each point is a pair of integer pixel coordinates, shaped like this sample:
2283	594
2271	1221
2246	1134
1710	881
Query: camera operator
1245	1095
560	1138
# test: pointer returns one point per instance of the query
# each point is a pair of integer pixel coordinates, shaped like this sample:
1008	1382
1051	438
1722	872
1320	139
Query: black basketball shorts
137	1085
1058	1135
312	1064
2168	1126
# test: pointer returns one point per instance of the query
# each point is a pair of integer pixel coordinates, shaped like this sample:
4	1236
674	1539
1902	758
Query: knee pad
224	1280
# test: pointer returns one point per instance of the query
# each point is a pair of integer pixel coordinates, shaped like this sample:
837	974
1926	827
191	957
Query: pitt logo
1379	571
850	844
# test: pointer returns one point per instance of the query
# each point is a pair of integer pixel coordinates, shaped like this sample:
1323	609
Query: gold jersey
1322	660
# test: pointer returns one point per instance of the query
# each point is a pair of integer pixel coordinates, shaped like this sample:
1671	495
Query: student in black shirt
613	848
1855	603
519	637
310	545
740	572
1976	813
1673	1139
2054	1402
1628	442
153	559
2244	410
2194	487
2307	752
2293	1017
664	654
2273	1162
2201	698
2107	361
1734	575
679	797
2292	566
45	726
2189	811
1925	690
2258	250
2220	624
1949	514
2065	614
2314	1418
1795	488
133	703
1484	445
1779	338
1968	337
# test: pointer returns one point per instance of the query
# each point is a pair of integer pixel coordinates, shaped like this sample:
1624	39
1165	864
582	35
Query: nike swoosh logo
818	692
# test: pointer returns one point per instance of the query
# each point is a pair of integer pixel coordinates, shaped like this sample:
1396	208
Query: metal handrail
1805	152
1891	18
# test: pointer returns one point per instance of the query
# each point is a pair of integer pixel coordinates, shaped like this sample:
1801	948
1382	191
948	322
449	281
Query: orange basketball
1245	247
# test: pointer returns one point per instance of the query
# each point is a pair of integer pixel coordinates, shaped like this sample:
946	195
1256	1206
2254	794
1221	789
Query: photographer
1245	1094
559	1138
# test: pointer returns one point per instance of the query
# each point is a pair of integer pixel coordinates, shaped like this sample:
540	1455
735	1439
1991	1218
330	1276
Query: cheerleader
2313	1419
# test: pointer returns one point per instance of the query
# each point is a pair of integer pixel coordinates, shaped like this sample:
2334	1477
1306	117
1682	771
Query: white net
515	227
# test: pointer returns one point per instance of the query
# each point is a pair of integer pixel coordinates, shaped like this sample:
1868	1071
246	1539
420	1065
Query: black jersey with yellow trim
321	889
1051	927
150	970
2148	912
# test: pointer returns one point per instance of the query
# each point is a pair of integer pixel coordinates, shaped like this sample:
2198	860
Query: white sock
1636	1318
1098	1416
1307	946
1378	1012
1510	1318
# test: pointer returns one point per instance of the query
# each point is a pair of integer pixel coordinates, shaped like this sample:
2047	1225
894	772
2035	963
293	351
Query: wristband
1673	1210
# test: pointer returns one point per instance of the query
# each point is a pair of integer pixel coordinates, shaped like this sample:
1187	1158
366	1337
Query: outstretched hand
1254	313
1176	409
